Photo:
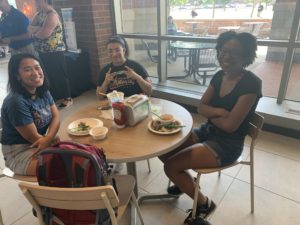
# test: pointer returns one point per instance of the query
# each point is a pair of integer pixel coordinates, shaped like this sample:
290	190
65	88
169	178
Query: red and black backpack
70	164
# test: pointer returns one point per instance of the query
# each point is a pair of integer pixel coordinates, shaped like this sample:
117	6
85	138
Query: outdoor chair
207	63
152	57
87	198
256	124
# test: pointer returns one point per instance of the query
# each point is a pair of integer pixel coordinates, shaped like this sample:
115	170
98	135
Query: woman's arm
145	84
51	21
233	120
208	111
29	132
48	139
104	86
24	36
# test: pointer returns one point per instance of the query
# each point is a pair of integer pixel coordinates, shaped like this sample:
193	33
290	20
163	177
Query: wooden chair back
86	198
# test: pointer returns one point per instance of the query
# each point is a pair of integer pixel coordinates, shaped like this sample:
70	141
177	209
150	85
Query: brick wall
213	24
94	24
93	21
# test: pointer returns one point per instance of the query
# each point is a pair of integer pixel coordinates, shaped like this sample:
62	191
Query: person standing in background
260	9
13	30
47	33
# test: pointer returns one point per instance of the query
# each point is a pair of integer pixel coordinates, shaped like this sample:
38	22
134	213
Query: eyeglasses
231	52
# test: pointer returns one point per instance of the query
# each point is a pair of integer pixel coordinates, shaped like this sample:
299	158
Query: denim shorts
17	157
226	149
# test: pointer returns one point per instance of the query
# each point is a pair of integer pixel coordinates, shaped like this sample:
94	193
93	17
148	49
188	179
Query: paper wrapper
106	114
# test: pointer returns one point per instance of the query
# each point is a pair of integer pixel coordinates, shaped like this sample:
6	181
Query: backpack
71	164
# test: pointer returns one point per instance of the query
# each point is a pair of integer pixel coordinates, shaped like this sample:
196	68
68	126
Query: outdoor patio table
227	28
255	26
194	53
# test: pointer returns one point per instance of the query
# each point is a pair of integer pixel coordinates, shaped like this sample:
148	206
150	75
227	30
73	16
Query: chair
153	58
87	198
207	63
6	172
256	124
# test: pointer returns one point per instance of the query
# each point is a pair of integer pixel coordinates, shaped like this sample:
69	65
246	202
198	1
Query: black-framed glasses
231	52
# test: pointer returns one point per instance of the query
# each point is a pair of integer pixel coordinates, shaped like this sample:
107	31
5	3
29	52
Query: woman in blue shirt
29	116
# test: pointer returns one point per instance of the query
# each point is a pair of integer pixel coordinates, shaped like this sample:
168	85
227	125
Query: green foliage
178	2
208	1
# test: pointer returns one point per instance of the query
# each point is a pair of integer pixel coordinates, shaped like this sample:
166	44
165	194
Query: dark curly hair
120	40
13	73
247	41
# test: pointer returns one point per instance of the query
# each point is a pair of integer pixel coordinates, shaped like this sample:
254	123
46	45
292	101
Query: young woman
123	74
30	119
47	33
171	26
228	104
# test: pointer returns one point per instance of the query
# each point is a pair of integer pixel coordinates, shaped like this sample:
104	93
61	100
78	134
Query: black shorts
226	149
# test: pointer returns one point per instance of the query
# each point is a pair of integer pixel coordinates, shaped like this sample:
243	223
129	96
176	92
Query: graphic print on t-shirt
121	81
41	116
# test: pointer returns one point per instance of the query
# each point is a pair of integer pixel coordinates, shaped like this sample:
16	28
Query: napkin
106	114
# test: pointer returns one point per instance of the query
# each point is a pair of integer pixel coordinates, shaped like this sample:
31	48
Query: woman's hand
42	143
109	77
130	73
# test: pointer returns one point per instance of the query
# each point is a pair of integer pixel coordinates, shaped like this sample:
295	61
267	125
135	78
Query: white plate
163	133
92	122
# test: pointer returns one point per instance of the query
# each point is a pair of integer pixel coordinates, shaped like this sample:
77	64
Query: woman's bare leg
193	157
31	169
192	139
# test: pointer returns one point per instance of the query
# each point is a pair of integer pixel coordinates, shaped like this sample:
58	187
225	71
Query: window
181	61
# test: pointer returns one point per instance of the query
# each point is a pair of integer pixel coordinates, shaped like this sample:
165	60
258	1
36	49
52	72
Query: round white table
131	144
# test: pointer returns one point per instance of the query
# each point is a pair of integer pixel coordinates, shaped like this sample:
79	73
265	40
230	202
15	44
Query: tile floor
277	194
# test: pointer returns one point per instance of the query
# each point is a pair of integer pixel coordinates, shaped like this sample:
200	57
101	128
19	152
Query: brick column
93	22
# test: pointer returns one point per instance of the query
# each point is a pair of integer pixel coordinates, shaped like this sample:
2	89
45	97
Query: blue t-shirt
19	110
14	23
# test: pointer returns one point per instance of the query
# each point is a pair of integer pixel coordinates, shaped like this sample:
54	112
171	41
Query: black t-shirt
121	82
249	84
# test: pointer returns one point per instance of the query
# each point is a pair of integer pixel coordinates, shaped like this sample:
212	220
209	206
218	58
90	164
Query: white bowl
166	118
98	133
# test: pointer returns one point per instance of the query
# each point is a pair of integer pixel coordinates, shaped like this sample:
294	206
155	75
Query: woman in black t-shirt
228	103
123	74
